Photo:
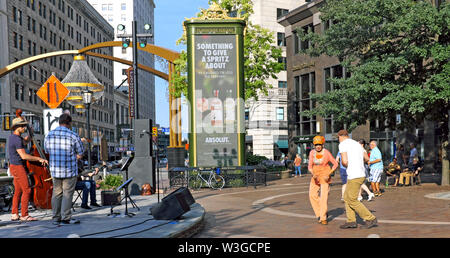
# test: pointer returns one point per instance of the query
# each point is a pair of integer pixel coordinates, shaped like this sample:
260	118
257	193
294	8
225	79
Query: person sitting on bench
394	170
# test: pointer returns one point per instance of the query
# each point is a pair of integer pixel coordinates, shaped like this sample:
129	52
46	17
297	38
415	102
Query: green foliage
397	52
111	181
238	182
253	160
260	54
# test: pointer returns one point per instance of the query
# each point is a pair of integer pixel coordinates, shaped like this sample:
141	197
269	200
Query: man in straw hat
17	158
354	157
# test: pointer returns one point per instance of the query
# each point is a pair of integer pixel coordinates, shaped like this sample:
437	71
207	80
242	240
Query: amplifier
110	198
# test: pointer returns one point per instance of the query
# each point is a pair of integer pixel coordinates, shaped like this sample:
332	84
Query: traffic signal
125	42
142	42
6	122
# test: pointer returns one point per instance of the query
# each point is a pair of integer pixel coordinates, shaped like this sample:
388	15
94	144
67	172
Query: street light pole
125	44
87	99
135	69
88	107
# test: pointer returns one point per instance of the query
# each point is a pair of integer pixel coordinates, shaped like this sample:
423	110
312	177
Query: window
15	37
280	113
281	40
304	86
302	44
282	60
20	42
123	6
281	12
282	84
336	71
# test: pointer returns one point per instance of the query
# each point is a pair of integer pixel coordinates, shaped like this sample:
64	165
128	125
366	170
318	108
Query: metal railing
235	176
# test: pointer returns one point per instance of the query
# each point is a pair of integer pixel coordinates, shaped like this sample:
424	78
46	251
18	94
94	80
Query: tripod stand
125	185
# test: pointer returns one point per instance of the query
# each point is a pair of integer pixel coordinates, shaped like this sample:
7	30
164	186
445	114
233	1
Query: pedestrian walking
376	168
401	156
319	167
64	148
297	165
354	157
17	167
364	187
343	173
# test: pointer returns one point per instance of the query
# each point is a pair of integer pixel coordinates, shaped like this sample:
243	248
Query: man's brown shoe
370	223
323	222
348	225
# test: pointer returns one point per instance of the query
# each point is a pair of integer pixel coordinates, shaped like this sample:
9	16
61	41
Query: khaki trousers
352	205
408	176
63	189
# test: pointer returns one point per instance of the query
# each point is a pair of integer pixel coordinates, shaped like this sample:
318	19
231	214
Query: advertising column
216	92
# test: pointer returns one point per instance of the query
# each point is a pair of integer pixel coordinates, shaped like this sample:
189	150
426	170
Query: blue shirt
63	146
342	168
413	154
375	154
15	143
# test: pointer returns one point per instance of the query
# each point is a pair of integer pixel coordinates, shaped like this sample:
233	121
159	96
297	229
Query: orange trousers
320	203
22	190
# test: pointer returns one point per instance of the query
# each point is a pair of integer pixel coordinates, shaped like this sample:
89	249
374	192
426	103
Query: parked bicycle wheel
217	181
178	181
195	182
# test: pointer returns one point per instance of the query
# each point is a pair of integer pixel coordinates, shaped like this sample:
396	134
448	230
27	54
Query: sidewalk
96	223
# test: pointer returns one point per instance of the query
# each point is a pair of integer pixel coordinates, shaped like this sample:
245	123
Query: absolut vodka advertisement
216	100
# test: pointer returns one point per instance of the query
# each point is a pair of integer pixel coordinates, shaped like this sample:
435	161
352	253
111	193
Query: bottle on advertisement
216	110
230	115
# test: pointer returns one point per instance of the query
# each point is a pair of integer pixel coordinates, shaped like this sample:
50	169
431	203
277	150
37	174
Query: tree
397	52
261	55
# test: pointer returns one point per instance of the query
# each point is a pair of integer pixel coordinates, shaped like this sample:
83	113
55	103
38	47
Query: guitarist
17	159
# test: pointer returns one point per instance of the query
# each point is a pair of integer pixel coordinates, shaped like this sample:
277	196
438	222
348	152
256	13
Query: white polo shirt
355	155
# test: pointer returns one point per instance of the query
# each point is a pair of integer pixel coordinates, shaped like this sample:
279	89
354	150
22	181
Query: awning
282	144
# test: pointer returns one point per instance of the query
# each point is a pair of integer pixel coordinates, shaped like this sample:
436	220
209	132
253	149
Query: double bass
43	185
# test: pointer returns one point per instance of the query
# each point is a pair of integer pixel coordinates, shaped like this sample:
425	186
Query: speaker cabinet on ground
171	207
185	193
110	198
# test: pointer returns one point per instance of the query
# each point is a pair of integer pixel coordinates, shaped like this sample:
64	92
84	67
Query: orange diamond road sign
53	92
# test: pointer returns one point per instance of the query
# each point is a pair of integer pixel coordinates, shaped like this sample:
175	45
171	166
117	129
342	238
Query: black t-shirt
15	142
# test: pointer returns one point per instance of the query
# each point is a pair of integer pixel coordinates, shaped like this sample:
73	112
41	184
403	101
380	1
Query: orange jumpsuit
319	165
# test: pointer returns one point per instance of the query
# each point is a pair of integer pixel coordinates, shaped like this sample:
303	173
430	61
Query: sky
169	17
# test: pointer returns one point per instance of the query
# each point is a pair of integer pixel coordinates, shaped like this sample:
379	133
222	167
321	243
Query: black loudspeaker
176	156
185	193
170	208
143	146
110	198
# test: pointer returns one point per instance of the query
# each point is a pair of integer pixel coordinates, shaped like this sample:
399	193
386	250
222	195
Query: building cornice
300	13
89	11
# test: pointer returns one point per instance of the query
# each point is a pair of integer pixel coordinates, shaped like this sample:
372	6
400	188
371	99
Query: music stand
125	185
125	168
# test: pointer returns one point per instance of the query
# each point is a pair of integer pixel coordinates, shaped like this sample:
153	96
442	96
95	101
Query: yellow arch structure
169	55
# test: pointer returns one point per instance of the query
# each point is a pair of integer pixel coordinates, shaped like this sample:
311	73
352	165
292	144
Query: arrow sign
53	92
51	119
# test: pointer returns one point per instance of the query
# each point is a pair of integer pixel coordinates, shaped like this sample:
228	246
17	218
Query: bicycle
215	181
178	181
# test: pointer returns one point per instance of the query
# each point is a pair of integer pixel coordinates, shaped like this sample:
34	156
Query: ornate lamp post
85	89
87	100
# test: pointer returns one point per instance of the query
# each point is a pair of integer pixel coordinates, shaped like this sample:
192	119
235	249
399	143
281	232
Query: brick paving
282	210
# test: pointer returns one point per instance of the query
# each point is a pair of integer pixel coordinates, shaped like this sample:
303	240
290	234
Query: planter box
285	174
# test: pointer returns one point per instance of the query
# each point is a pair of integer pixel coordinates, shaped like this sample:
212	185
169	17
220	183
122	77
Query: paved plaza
282	209
279	210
